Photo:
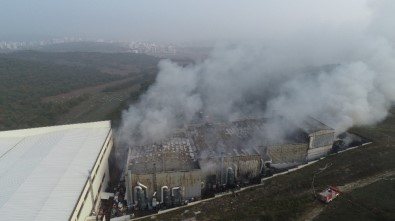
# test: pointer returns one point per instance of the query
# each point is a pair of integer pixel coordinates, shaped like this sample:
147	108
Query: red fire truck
329	194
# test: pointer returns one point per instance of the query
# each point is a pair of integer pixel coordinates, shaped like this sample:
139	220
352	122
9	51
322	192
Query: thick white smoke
343	76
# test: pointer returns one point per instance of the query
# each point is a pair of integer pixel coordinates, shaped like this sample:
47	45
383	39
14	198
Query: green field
373	202
43	89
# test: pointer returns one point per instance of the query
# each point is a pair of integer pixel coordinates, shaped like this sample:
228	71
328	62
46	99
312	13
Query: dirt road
316	210
86	90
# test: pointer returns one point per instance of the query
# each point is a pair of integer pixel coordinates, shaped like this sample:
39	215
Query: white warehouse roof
43	170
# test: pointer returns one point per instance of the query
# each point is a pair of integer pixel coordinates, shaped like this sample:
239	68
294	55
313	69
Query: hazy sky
175	20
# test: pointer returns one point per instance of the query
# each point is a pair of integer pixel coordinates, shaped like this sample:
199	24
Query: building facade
209	157
163	174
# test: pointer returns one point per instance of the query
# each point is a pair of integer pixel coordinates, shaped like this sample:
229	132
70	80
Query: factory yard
365	169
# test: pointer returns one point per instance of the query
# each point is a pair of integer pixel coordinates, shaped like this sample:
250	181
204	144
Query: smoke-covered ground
340	74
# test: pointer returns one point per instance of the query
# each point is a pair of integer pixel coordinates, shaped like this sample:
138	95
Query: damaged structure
209	156
164	174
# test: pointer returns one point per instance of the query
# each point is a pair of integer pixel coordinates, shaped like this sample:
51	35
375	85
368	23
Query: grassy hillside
40	89
24	83
112	63
373	202
41	79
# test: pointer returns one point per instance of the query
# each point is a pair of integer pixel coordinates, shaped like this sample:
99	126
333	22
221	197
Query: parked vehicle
329	194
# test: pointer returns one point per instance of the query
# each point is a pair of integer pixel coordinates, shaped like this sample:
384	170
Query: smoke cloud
342	75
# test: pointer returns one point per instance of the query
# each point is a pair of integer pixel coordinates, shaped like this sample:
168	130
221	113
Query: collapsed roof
173	154
238	138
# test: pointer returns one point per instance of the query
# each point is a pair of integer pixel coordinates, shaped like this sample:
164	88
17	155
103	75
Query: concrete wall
190	181
287	153
100	177
247	166
244	167
319	152
321	138
320	144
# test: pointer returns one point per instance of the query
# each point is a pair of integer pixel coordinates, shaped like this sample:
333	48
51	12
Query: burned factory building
165	174
226	152
213	156
321	138
306	141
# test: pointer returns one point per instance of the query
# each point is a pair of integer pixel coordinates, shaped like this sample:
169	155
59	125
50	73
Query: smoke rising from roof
342	75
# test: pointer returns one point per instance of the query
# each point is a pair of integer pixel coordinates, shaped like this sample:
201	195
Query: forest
28	77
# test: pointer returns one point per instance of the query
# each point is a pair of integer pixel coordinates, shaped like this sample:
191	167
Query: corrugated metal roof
43	170
311	125
172	154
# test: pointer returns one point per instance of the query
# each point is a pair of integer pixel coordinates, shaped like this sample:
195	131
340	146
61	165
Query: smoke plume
342	75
